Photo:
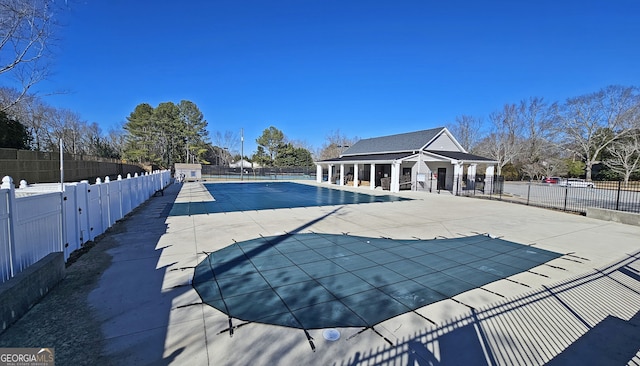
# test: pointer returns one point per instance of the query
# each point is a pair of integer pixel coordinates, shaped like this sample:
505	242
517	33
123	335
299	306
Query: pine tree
166	134
13	134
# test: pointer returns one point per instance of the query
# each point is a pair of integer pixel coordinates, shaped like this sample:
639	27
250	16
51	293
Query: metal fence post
566	194
618	196
528	192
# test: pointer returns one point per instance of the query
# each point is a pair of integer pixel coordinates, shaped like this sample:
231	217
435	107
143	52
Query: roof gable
444	142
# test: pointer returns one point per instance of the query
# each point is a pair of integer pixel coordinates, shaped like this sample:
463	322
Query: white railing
38	220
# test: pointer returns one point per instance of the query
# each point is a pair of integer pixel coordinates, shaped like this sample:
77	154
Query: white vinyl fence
40	219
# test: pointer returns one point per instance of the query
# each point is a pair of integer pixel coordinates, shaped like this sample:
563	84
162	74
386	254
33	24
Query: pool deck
563	310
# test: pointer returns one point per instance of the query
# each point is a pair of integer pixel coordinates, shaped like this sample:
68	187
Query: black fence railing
479	185
219	172
571	196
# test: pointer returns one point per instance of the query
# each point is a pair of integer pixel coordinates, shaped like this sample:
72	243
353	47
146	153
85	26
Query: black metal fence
219	172
612	195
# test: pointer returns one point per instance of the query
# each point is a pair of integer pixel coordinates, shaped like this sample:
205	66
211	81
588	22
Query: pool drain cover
331	334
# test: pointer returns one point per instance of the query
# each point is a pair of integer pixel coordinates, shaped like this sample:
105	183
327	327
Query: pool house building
427	160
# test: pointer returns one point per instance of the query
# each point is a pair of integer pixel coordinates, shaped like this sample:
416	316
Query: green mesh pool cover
230	197
312	281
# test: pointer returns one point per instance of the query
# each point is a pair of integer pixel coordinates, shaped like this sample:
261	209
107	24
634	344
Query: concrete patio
582	307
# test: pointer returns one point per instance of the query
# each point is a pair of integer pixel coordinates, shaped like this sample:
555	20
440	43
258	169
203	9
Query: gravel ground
63	319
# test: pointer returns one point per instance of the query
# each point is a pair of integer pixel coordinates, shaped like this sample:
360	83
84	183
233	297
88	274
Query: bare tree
68	126
38	118
624	156
227	140
27	29
467	130
504	142
336	143
91	139
116	139
539	150
8	98
555	166
592	122
31	111
299	144
225	145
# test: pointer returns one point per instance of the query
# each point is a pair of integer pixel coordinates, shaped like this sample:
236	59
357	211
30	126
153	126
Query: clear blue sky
367	68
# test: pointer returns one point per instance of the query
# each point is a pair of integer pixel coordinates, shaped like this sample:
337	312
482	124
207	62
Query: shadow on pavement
130	300
558	325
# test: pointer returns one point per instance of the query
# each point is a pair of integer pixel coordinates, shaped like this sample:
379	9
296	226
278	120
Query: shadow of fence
588	319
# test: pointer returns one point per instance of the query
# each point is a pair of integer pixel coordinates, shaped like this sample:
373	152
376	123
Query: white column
488	180
372	177
457	177
395	178
319	173
355	175
471	176
341	174
330	175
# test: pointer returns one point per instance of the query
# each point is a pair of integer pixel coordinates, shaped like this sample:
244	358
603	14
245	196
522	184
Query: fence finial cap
7	182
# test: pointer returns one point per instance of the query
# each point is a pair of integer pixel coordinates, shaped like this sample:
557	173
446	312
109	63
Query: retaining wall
25	289
629	218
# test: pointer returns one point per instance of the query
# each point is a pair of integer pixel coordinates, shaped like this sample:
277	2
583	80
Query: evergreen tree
271	140
166	134
196	134
261	157
140	139
13	134
171	130
291	156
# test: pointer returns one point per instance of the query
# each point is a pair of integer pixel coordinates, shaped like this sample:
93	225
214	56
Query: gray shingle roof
370	157
404	142
454	155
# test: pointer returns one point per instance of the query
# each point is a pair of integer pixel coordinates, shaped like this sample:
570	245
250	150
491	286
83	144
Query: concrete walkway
150	313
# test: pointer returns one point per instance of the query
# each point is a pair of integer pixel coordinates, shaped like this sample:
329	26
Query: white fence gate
38	220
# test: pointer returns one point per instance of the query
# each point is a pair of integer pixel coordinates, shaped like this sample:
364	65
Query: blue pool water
232	197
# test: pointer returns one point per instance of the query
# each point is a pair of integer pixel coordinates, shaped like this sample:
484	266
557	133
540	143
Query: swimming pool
232	197
313	281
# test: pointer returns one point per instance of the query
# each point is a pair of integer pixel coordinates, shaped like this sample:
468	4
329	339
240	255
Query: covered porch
426	171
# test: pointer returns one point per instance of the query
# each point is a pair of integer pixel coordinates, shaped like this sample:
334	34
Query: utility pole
241	154
61	166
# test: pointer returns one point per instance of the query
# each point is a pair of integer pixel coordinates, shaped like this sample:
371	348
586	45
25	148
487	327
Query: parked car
552	180
578	183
